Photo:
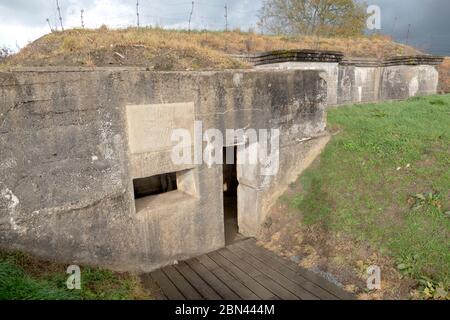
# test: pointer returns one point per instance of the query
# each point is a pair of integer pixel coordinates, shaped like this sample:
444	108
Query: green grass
25	278
367	179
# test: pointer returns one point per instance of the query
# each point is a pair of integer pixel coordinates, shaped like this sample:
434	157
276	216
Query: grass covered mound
25	278
159	49
379	195
444	76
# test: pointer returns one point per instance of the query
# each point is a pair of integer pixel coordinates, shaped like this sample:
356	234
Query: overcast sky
22	21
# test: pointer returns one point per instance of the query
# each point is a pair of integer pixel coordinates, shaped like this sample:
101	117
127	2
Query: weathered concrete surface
402	82
356	80
67	164
150	126
359	81
372	81
331	76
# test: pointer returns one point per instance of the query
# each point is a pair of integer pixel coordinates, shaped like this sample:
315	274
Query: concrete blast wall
355	80
331	70
72	141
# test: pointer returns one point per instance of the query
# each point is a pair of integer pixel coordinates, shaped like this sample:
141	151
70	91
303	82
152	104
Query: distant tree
313	17
4	53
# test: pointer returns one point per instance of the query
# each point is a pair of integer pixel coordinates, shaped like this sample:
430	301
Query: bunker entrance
230	192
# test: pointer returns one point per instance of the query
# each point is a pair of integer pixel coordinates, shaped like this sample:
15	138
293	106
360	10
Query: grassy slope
444	76
180	50
365	185
25	278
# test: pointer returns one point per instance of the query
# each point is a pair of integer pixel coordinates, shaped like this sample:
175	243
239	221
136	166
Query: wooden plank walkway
244	271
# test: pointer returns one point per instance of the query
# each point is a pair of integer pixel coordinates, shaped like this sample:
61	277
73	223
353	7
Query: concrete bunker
87	177
86	170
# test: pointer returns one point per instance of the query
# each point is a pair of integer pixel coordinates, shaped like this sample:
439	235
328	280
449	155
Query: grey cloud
427	20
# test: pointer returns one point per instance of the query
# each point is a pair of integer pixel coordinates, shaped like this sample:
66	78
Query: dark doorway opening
230	194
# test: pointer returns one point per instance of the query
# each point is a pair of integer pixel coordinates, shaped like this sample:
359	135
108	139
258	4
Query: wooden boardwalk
244	271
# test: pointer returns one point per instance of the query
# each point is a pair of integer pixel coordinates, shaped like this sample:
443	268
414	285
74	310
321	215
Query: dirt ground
339	258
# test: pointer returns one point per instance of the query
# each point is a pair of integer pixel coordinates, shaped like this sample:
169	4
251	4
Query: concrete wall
357	80
331	70
403	81
73	140
365	83
358	84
